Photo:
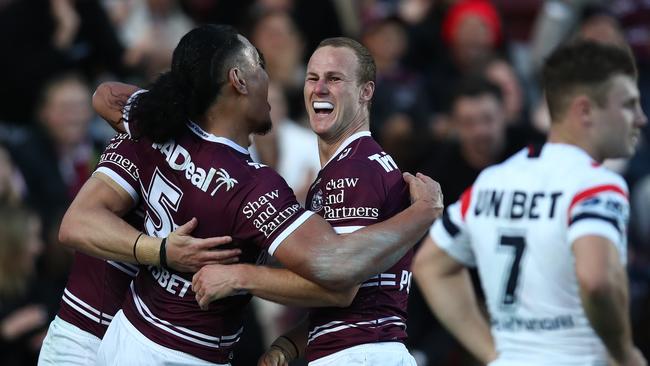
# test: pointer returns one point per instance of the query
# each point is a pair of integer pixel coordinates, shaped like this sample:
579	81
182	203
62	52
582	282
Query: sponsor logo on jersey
340	213
344	154
317	201
180	159
266	217
123	163
385	160
341	183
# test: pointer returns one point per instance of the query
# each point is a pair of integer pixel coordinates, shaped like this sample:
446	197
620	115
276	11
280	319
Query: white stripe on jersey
339	325
290	229
83	308
129	269
347	229
376	280
120	181
182	332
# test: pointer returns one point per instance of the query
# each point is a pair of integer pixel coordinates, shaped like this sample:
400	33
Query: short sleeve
350	197
269	211
451	234
119	163
601	208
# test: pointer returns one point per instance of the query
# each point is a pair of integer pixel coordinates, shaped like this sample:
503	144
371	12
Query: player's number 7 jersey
517	224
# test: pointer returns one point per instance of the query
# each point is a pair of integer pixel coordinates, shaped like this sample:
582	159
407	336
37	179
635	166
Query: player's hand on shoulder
214	282
186	253
426	191
273	357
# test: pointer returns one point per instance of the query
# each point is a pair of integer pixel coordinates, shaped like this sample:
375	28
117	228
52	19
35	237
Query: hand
214	282
425	190
188	254
273	357
22	321
67	22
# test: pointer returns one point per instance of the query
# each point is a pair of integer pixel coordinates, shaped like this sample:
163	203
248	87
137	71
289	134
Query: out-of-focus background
433	58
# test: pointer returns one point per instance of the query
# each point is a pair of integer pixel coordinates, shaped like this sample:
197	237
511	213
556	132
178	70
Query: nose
321	87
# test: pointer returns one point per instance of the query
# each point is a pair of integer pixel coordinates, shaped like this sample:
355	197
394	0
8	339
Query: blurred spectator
399	111
276	35
472	32
217	11
149	29
23	313
501	73
56	157
11	182
43	38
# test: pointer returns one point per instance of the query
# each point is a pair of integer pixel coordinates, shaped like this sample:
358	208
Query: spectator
23	314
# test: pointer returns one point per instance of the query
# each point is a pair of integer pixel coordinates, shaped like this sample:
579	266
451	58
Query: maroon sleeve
119	162
269	211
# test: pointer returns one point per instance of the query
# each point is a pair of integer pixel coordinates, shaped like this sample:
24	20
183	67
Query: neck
561	134
223	120
328	146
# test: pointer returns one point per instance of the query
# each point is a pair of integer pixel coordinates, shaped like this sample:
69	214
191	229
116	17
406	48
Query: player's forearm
606	308
287	288
452	299
101	233
371	250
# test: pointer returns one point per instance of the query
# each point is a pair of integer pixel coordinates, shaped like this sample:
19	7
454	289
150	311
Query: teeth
323	105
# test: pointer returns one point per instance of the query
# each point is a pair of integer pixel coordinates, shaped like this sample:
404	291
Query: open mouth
323	108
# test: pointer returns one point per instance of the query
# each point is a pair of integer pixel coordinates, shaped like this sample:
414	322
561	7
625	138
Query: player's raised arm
317	253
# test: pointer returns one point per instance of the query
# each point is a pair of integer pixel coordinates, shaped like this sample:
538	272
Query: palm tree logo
224	178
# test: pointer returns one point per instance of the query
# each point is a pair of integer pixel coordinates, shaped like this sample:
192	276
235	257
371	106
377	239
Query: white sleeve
451	235
601	209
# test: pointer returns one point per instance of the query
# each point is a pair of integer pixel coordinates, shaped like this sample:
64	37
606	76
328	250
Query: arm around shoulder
109	100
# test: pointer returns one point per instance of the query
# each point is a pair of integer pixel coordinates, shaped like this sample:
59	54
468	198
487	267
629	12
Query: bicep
100	191
597	262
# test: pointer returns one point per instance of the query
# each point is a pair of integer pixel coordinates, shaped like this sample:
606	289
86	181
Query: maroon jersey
360	186
96	287
213	179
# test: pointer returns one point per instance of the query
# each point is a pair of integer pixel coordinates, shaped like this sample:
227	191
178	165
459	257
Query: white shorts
370	354
123	344
67	344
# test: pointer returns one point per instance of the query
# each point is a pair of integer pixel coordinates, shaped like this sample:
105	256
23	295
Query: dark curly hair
200	64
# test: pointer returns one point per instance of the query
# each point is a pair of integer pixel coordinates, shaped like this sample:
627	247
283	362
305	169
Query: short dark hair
583	67
473	86
200	65
367	69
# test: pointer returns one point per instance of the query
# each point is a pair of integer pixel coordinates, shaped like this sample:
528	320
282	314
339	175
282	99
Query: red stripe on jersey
464	201
594	191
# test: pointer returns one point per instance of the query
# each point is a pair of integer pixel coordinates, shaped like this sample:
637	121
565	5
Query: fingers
187	227
220	256
209	243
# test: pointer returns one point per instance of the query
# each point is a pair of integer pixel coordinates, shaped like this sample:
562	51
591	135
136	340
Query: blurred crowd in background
457	90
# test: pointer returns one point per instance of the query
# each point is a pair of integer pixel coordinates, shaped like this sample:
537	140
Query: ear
236	79
367	91
582	110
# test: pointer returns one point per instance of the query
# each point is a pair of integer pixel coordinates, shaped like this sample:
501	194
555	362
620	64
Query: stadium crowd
458	90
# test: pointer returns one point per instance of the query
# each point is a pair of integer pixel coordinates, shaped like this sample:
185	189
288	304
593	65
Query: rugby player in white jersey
547	229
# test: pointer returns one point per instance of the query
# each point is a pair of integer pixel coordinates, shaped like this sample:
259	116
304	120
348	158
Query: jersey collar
562	150
210	137
347	142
